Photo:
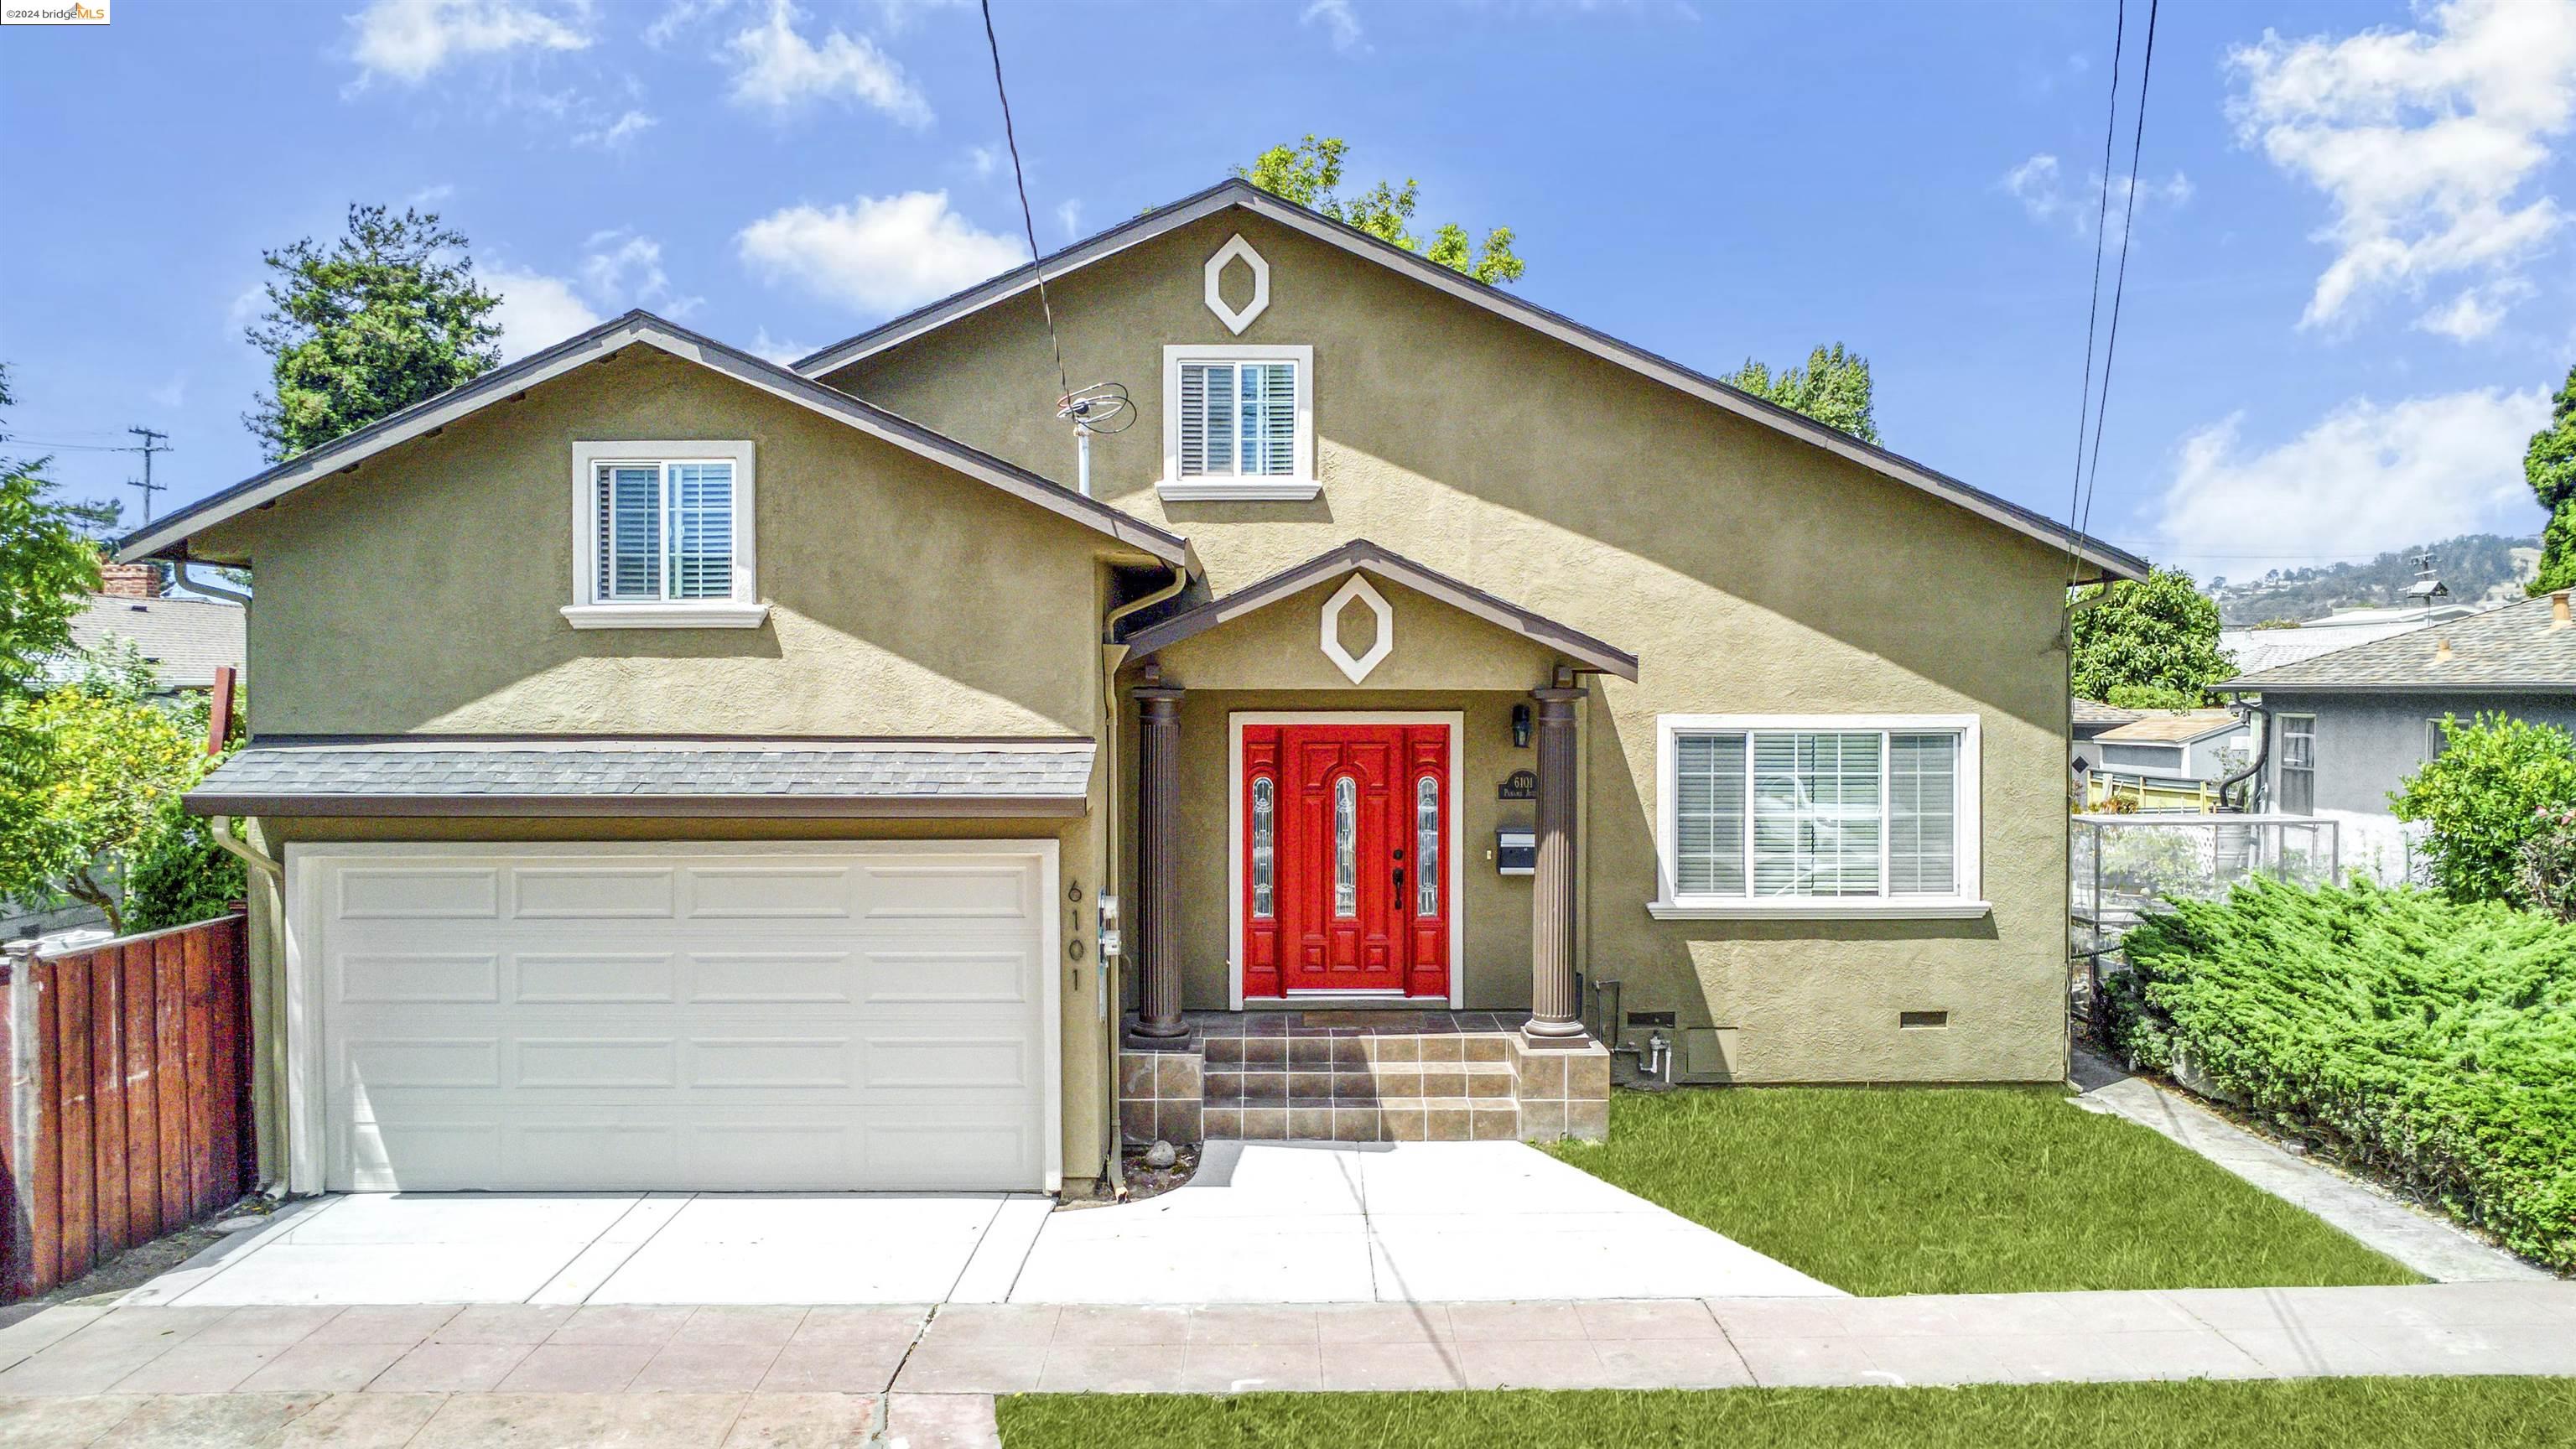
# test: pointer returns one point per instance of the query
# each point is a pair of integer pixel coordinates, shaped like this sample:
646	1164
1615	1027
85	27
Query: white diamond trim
1358	587
1236	321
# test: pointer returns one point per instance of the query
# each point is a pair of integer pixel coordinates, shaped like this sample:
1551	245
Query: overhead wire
2093	308
2120	281
1028	218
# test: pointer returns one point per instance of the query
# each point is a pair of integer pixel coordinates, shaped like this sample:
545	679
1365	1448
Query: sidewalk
682	1378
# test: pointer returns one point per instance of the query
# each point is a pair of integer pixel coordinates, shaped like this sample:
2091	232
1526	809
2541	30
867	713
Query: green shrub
2429	1040
179	874
2481	800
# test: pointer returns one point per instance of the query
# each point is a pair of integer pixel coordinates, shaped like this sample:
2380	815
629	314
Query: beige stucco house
677	771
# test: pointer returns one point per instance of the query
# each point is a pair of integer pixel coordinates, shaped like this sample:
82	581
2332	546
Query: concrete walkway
2433	1246
1264	1222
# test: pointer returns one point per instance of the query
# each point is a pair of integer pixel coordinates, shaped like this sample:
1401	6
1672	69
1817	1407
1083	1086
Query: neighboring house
2347	728
185	641
717	782
2260	649
2172	758
2090	718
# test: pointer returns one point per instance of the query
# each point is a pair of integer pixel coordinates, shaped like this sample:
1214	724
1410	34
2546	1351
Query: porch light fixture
1520	726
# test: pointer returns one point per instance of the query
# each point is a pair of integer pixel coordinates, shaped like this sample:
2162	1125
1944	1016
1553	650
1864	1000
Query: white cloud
985	159
624	270
679	16
1068	214
431	195
537	311
776	349
1336	18
879	254
777	67
2364	479
617	134
899	14
2423	141
2476	311
412	39
2039	185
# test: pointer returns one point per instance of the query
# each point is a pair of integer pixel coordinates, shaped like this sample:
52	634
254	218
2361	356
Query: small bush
2482	800
179	874
2430	1040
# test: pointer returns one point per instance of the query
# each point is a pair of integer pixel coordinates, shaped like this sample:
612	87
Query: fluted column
1158	766
1555	1010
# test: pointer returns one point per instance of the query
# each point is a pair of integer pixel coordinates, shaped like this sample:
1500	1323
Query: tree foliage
2550	465
2159	632
1310	174
48	569
388	315
97	763
2430	1041
2485	799
1832	387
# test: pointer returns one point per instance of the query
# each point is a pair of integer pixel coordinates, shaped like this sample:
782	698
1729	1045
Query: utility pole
152	443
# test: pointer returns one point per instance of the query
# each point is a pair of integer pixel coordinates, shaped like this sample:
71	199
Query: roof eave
642	807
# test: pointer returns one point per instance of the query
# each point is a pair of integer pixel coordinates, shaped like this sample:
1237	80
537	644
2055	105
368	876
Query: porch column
1158	765
1555	1010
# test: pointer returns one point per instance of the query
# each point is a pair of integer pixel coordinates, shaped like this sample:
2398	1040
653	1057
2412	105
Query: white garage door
711	1017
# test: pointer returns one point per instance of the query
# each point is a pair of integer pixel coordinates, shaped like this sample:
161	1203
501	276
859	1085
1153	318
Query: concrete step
1413	1119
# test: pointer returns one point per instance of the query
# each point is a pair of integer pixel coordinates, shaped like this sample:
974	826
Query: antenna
1103	408
152	443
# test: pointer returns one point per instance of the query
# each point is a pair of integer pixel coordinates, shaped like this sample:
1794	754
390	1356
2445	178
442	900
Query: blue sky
2348	293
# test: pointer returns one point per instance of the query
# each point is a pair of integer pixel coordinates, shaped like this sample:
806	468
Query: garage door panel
592	892
718	1021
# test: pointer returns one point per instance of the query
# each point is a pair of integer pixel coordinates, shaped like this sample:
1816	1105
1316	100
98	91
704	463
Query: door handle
1399	877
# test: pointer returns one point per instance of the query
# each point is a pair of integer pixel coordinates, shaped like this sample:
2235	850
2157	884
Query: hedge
2428	1041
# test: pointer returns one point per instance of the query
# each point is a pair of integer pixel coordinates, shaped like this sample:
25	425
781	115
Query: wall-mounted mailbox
1515	851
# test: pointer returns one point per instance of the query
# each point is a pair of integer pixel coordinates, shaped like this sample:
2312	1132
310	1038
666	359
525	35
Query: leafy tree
48	569
2158	631
178	874
97	763
2550	464
1309	174
1833	388
389	315
2492	791
2152	696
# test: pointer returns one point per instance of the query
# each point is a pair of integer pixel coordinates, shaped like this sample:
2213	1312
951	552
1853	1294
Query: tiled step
1358	1086
1414	1119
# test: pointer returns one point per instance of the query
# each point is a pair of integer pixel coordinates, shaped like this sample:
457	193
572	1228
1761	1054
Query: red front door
1345	876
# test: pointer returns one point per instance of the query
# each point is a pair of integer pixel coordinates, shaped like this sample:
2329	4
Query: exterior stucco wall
2368	744
1750	572
420	593
1082	865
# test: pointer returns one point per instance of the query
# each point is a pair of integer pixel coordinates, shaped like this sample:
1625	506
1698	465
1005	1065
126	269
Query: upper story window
663	536
1238	422
1818	816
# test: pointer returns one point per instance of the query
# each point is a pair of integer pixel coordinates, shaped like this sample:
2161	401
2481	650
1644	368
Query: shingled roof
662	778
2520	647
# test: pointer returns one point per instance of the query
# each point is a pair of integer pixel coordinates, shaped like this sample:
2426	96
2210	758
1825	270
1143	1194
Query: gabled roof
2517	648
1361	555
2091	712
1238	193
163	535
185	640
2172	727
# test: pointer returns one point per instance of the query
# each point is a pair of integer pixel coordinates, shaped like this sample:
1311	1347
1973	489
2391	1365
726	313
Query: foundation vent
1922	1020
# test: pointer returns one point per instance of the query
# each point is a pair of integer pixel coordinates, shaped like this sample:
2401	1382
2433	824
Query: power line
2093	308
151	444
1028	219
2119	285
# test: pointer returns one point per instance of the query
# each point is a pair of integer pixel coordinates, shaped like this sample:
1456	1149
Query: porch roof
1362	556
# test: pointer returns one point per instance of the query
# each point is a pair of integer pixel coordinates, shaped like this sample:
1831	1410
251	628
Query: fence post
19	1043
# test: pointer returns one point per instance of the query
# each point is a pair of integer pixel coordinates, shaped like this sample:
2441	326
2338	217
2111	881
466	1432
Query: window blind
1923	815
1708	845
1814	813
701	530
630	531
1238	419
663	531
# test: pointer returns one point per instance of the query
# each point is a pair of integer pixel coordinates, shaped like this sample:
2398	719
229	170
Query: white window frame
1967	900
1300	484
2281	771
742	609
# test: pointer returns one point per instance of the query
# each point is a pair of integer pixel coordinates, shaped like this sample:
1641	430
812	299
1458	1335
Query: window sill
1265	490
705	614
1818	908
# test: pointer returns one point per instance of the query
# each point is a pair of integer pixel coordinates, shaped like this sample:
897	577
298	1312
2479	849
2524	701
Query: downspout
213	589
221	828
1112	656
2261	719
2066	841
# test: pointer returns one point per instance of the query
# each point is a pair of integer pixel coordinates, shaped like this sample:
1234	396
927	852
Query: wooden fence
128	1097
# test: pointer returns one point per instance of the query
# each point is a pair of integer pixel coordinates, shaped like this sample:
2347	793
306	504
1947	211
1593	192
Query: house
734	776
2166	757
2347	728
2087	719
184	640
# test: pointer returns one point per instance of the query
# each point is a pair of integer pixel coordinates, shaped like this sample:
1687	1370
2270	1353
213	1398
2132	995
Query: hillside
2475	566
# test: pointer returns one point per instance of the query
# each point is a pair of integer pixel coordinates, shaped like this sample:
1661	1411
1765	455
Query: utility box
1515	851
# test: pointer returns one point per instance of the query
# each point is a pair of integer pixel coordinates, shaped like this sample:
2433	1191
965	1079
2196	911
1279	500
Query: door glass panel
1426	846
1262	805
1346	854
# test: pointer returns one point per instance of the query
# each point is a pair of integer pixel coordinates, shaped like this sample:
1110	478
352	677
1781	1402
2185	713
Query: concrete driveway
1287	1223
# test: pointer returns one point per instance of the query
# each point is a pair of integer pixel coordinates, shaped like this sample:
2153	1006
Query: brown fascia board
2108	561
1362	555
634	807
2464	686
167	536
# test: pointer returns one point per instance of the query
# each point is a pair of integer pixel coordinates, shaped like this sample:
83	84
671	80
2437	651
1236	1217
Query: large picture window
1818	816
663	536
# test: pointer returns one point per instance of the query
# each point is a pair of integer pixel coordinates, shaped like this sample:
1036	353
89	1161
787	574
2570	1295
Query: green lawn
2463	1413
1962	1190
